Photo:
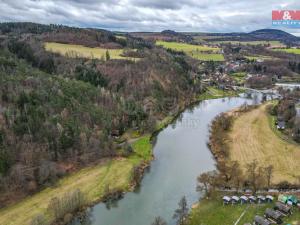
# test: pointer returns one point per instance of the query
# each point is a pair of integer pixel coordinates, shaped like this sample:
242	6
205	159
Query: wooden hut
226	200
258	220
243	199
284	209
273	215
261	199
235	199
252	199
269	198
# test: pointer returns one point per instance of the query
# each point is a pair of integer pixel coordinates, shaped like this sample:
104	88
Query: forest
59	114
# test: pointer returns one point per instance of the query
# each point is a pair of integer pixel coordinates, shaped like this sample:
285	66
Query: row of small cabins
275	215
244	199
281	209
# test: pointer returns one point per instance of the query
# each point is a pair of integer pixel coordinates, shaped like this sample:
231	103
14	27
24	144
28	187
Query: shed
235	199
226	200
273	215
269	198
243	199
285	209
293	199
261	199
252	199
258	220
281	125
282	198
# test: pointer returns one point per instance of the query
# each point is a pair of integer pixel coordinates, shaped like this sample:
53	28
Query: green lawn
200	52
239	76
73	51
288	50
261	57
212	212
213	93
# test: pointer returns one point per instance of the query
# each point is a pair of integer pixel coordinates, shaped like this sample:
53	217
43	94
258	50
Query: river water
181	154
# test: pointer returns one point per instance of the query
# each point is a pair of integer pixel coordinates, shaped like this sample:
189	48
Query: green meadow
74	51
288	50
213	212
271	43
203	53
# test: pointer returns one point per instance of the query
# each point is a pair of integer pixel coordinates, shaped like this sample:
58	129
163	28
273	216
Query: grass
272	43
252	138
115	173
213	93
73	51
200	52
259	57
288	50
212	212
239	76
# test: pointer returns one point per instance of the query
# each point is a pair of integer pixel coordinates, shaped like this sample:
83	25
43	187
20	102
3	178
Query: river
181	154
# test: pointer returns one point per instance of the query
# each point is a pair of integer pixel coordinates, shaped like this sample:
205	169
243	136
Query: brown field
252	138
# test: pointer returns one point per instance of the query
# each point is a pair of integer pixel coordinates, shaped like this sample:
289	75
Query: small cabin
283	198
284	209
252	199
269	198
273	215
258	220
226	200
261	199
243	199
292	199
281	125
235	199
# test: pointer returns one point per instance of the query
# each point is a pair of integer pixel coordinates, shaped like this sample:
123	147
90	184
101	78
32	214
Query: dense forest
58	114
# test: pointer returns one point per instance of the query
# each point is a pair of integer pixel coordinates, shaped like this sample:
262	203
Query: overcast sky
150	15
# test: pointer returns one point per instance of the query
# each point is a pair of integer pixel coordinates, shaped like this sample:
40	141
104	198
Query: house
269	198
258	220
273	215
243	199
235	199
261	199
252	199
226	200
284	209
281	125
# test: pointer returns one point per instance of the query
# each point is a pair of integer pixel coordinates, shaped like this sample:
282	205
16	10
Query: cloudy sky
149	15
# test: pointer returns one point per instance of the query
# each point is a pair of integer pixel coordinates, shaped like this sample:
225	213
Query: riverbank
251	138
116	174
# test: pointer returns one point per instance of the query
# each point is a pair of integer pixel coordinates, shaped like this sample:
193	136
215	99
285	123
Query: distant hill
274	34
257	35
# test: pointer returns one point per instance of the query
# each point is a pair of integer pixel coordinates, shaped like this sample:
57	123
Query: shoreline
141	162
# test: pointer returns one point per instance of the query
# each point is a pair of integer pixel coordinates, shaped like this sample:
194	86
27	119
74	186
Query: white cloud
149	15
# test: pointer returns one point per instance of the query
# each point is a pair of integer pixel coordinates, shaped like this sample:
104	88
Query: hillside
61	113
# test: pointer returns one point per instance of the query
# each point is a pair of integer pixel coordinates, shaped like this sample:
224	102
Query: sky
150	15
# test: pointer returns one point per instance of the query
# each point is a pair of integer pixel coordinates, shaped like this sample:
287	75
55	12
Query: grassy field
288	50
91	181
213	93
204	53
261	57
212	212
254	139
271	43
239	76
73	51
